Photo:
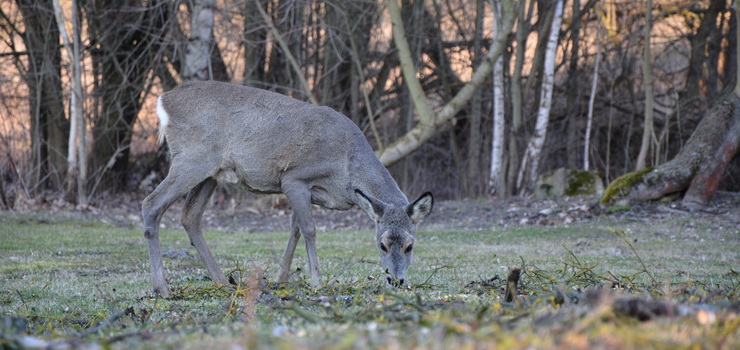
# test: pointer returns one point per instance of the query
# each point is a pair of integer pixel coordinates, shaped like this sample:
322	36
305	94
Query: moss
618	208
581	183
619	186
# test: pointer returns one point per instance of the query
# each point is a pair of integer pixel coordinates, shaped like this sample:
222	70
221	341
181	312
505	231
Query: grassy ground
670	282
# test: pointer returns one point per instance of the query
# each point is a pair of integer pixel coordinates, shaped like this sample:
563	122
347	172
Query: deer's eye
383	248
409	248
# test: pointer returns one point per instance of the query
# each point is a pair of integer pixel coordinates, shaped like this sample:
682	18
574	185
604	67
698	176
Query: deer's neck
368	175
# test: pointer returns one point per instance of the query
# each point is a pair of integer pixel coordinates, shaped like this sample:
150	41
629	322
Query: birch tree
77	150
530	162
429	120
496	176
591	99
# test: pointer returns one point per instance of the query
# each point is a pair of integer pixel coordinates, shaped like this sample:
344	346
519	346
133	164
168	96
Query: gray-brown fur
269	143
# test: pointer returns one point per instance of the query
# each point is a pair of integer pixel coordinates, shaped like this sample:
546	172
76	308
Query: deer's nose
396	283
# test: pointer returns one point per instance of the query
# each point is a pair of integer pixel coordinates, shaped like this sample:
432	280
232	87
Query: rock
568	182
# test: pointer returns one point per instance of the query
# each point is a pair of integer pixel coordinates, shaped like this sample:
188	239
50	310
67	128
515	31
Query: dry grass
624	284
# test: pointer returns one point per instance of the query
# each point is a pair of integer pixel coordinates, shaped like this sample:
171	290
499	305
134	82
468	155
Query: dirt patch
272	213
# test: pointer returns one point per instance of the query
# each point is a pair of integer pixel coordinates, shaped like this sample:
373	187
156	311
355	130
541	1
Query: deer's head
395	227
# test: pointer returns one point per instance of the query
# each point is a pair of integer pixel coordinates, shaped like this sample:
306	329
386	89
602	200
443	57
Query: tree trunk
496	175
517	97
592	97
49	127
77	149
695	91
473	177
530	163
123	33
648	134
699	166
573	94
198	52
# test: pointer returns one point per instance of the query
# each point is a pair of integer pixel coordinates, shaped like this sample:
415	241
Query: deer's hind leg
183	176
192	213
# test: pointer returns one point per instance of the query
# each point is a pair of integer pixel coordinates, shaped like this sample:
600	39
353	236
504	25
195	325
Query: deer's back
263	137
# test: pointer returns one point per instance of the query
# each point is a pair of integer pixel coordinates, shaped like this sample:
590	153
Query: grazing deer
265	142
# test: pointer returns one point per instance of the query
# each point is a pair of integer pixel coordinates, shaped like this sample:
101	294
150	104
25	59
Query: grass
78	282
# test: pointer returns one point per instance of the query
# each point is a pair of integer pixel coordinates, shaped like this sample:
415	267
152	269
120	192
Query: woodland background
630	80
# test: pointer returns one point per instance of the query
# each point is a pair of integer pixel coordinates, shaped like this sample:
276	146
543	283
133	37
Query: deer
268	143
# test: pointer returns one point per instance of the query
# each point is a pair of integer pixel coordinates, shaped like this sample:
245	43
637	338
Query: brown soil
271	213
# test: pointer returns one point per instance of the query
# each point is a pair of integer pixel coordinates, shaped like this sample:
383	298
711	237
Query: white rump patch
164	119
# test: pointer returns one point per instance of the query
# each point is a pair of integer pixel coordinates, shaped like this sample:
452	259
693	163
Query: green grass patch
79	281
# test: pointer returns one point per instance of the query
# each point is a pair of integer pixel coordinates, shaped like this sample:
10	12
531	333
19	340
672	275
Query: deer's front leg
300	200
295	235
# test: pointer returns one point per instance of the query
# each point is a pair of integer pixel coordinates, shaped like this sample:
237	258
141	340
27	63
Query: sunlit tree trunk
591	99
77	150
648	134
530	163
497	176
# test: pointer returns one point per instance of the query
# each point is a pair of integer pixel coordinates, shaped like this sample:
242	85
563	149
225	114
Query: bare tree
429	120
77	156
49	127
648	133
496	174
530	162
700	165
126	38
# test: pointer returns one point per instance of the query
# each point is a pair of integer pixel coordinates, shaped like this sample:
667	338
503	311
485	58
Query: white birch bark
198	53
592	97
77	150
496	174
530	162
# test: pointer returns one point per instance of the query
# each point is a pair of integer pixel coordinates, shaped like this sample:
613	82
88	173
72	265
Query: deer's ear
420	208
372	206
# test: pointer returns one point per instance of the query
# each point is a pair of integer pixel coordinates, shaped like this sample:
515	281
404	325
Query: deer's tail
164	119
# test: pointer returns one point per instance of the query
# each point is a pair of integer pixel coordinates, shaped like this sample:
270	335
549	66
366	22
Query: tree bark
496	176
198	52
474	178
49	127
77	149
592	97
573	94
530	163
648	134
517	114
